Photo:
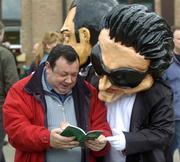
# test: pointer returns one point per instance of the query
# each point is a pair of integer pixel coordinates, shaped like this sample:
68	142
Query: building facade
40	16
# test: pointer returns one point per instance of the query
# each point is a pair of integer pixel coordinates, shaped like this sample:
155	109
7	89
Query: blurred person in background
34	53
172	75
7	44
8	76
35	49
41	50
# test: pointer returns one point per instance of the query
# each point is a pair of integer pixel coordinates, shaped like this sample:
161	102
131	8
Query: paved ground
9	154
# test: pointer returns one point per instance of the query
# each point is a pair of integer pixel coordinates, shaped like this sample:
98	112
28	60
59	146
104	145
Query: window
12	34
10	9
10	14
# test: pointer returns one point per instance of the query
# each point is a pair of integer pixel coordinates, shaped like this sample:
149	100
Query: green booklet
79	134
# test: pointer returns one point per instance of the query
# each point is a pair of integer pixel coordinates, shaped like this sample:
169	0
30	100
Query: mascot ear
84	35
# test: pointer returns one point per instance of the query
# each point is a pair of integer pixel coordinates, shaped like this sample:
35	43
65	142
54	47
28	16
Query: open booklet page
79	134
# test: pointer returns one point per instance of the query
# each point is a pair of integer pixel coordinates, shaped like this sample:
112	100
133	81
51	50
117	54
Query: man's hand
97	144
61	142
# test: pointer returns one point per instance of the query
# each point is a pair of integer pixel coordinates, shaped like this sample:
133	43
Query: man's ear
84	35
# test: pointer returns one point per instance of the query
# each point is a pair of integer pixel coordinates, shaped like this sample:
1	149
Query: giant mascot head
82	25
135	47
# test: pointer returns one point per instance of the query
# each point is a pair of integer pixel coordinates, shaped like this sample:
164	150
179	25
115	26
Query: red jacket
25	118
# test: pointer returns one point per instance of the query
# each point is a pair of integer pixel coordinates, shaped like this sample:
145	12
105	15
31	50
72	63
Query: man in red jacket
37	106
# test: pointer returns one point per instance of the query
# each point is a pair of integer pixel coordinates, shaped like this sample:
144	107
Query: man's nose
68	79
